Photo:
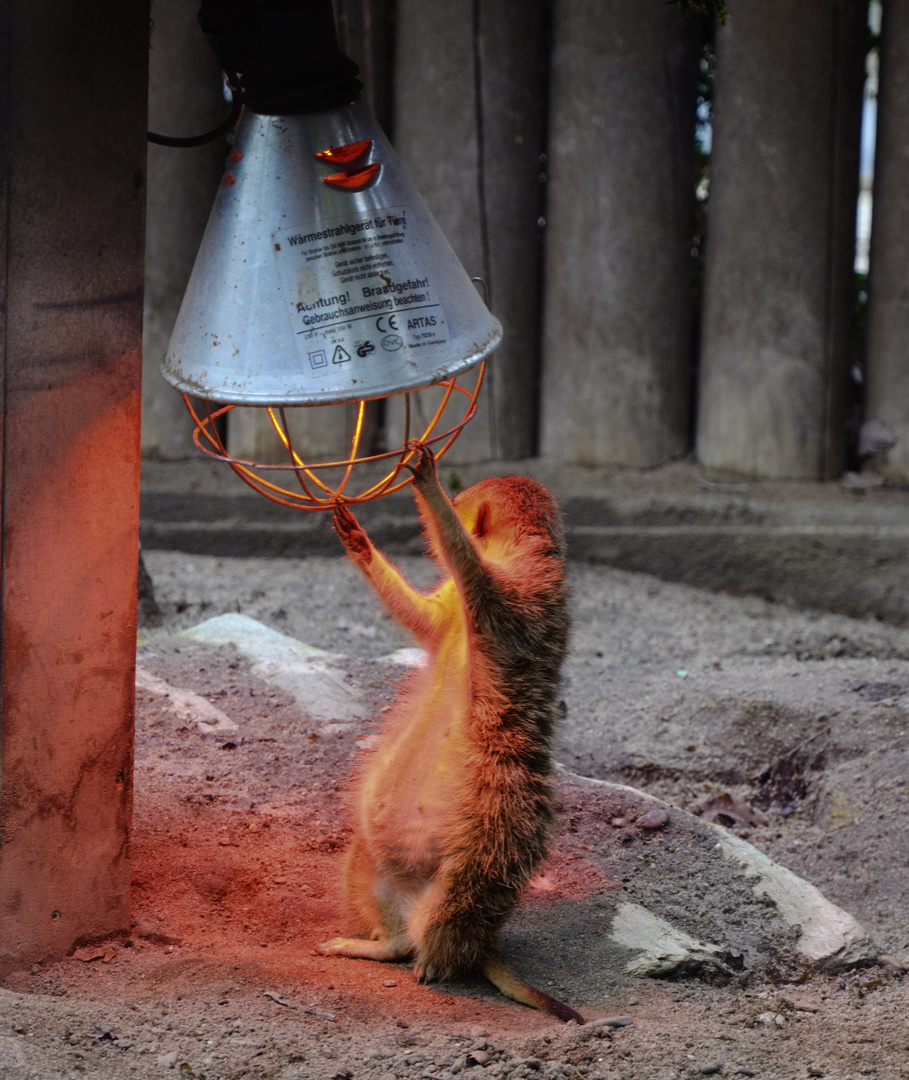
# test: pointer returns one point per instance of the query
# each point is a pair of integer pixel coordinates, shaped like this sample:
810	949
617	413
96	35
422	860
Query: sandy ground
796	723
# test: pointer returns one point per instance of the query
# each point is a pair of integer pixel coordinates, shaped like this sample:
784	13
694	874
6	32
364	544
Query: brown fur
454	805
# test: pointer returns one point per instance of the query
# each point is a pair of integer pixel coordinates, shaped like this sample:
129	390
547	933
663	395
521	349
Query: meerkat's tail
504	979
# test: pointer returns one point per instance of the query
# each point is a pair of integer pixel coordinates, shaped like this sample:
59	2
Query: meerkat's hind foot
507	982
385	949
427	973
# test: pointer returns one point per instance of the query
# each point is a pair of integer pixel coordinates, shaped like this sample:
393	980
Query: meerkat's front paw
351	534
424	463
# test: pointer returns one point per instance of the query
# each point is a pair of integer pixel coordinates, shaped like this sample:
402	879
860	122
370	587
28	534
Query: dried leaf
727	810
105	953
106	1032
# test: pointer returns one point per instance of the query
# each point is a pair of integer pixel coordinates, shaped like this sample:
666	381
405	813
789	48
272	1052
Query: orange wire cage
302	484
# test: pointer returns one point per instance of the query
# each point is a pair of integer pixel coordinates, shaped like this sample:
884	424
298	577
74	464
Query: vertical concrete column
72	181
618	288
887	353
184	98
470	106
781	237
366	32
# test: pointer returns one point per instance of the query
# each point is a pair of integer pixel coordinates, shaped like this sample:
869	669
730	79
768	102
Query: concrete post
781	237
73	105
366	32
618	289
184	98
887	354
470	105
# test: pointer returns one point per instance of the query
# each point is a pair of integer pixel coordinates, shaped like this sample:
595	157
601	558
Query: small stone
714	1068
814	1070
612	1021
169	1061
478	1057
653	819
389	982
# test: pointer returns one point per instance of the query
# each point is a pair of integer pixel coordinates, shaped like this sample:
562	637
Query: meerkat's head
509	511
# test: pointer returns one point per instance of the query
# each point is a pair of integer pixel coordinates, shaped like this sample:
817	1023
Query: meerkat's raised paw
351	534
424	464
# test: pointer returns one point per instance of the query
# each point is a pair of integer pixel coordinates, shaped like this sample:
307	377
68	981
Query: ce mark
390	320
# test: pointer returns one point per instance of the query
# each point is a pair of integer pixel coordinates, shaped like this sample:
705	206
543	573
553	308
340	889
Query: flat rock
689	898
317	680
188	706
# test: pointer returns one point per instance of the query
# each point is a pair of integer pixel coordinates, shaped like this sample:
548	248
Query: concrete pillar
366	32
618	288
781	237
72	186
184	98
887	352
470	105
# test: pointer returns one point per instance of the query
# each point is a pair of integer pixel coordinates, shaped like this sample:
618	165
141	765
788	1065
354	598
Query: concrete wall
887	354
184	98
618	298
72	184
781	238
470	106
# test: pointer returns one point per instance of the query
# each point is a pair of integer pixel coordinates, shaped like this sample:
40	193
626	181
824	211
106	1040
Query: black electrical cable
236	107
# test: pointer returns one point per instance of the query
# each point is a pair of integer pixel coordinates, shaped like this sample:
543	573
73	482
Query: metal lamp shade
322	276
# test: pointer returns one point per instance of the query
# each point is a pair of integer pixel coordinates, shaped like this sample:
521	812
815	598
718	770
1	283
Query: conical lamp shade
322	276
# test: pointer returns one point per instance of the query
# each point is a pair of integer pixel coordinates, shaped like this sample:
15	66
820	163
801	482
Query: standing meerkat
453	807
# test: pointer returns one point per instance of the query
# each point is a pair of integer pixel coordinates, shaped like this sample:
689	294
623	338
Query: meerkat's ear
481	524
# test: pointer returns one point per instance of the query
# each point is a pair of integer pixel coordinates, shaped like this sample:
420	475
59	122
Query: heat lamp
322	278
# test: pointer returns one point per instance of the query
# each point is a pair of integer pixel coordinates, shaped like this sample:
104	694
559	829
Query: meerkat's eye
481	525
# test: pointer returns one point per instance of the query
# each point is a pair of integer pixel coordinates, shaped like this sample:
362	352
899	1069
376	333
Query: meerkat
453	807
